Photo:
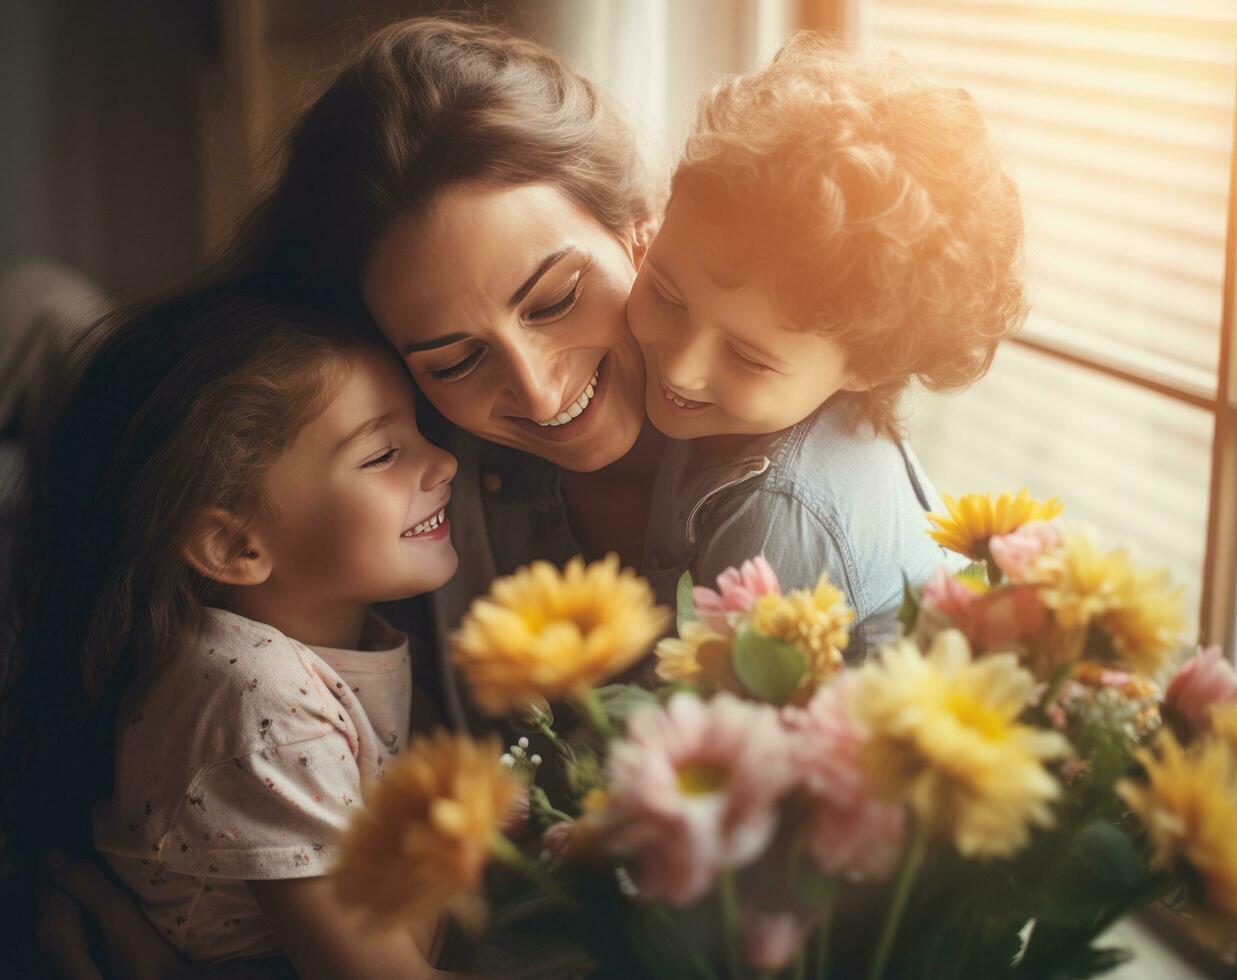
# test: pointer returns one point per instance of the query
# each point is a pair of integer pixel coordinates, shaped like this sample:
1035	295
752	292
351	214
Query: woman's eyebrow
545	265
446	340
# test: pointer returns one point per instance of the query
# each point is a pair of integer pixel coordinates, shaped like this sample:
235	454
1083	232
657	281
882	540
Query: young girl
837	227
227	489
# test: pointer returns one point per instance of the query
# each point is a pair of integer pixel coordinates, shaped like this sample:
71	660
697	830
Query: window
1117	119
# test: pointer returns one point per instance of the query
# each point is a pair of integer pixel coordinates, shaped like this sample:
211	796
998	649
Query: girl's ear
222	549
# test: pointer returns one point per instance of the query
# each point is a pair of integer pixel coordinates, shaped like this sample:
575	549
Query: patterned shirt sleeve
276	813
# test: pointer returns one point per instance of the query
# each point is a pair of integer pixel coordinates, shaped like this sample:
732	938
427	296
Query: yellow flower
975	517
945	738
1189	808
1147	628
698	656
1224	724
542	633
817	621
1139	611
420	846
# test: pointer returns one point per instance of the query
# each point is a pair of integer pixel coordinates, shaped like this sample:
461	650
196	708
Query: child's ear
222	549
639	240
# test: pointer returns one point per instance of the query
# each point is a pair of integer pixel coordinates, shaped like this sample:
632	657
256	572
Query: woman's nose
533	387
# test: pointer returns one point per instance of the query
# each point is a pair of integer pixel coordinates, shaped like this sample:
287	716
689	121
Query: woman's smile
514	323
587	408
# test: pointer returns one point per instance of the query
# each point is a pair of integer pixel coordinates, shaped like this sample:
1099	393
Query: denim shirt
818	497
812	498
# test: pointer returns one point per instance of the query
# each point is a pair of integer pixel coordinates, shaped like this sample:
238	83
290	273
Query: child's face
353	499
721	360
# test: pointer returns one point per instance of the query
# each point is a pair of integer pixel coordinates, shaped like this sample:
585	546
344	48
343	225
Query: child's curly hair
877	205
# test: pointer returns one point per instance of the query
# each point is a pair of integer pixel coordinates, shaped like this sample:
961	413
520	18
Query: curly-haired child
838	227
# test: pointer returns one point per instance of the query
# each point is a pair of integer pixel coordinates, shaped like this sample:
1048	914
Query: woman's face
507	305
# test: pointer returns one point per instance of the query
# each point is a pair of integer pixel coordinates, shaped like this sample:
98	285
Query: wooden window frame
1218	395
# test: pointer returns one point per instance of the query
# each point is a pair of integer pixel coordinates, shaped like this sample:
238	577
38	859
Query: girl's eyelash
555	310
379	460
459	369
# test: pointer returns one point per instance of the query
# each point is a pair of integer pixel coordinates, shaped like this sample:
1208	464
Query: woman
487	207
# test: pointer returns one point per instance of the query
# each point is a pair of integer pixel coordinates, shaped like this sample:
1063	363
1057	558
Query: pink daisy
737	592
852	833
1205	680
694	789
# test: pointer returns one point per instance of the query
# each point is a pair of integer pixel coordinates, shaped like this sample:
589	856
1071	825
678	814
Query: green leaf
976	571
619	701
908	612
768	668
683	599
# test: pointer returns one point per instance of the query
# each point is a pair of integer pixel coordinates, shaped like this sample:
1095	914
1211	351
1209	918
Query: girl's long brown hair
173	409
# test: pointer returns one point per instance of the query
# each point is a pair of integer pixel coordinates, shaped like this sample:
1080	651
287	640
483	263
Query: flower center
703	778
976	716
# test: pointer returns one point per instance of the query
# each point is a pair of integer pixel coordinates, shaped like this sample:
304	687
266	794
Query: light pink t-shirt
243	758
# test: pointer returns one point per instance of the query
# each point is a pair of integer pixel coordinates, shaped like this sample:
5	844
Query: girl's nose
440	467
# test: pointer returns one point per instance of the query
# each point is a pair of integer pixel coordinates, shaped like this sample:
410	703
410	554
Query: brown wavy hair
172	408
421	106
877	205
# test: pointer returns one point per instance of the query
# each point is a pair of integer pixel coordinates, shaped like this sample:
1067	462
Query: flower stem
564	749
994	572
820	941
729	898
505	852
588	700
902	891
1055	681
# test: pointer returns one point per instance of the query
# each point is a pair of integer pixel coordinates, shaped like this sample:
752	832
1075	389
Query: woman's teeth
426	526
576	408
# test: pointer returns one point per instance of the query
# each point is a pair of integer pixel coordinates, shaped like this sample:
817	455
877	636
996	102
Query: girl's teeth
576	408
431	525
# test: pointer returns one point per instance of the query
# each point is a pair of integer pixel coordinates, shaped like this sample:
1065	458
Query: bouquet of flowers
985	796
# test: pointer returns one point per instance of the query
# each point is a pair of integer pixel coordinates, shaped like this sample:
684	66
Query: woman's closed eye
459	368
559	307
382	459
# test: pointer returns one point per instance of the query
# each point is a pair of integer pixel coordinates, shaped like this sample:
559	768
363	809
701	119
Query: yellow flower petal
421	844
1189	807
975	517
944	737
542	633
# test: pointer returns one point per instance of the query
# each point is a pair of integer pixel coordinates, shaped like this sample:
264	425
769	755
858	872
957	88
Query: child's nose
685	361
440	468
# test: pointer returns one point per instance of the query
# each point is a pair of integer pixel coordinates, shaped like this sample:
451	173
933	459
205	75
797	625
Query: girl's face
507	306
720	357
357	502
